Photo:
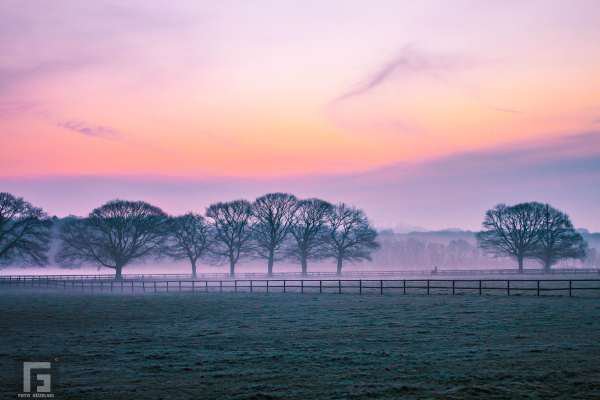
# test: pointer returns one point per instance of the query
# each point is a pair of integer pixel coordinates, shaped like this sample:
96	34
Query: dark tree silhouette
113	235
273	216
232	233
189	237
308	232
512	230
24	231
558	239
349	235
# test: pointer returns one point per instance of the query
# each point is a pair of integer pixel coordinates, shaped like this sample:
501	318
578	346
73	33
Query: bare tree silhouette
512	230
558	239
113	235
308	232
24	231
232	233
189	237
349	235
273	218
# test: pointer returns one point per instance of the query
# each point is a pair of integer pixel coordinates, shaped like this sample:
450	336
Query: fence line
258	275
357	286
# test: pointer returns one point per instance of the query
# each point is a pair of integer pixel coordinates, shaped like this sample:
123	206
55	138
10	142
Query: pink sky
272	93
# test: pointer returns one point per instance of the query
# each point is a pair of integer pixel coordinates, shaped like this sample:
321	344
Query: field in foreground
276	346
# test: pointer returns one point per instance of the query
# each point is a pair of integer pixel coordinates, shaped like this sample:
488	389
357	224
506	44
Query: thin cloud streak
410	60
413	61
86	129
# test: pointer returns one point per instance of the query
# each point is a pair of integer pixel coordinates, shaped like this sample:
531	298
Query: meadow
292	346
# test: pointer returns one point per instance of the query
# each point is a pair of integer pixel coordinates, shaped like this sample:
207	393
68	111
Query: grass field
289	346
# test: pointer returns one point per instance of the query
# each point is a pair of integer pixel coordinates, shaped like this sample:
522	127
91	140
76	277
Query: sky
423	113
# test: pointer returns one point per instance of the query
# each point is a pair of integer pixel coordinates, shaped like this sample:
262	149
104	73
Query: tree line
274	227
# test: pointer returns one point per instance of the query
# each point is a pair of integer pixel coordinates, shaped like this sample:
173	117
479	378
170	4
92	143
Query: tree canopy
114	235
232	234
530	230
190	237
273	218
349	237
24	231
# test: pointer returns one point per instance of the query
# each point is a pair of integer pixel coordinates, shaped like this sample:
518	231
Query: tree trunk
231	268
304	264
194	275
118	272
547	266
520	260
271	261
339	265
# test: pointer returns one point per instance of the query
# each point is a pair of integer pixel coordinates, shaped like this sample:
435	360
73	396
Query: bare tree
512	230
189	237
24	231
273	217
308	232
349	235
113	235
232	233
558	239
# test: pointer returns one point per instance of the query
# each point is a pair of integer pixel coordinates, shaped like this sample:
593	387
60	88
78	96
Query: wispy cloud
12	107
86	129
409	60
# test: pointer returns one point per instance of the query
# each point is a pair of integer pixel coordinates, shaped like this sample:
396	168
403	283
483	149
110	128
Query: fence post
339	286
480	287
427	286
453	287
508	287
132	290
284	285
250	285
154	286
570	288
267	286
180	286
193	286
144	286
220	286
206	286
111	286
235	285
360	286
302	286
538	287
167	286
381	287
320	286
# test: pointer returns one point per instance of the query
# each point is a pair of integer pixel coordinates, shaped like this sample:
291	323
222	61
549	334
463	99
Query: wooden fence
347	274
480	287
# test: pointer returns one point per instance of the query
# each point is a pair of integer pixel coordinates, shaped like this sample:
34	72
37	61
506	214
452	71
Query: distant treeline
456	249
276	227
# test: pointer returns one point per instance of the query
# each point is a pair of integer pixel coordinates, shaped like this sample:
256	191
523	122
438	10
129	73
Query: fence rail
509	287
284	275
